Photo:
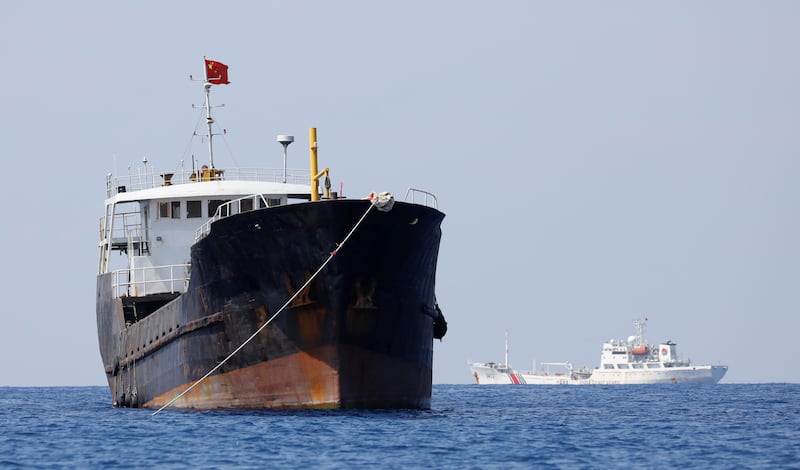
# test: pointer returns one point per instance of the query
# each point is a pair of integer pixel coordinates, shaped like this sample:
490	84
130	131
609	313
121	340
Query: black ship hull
359	336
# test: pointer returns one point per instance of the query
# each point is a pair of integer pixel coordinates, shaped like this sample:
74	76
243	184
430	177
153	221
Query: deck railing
150	179
138	282
424	197
228	209
124	224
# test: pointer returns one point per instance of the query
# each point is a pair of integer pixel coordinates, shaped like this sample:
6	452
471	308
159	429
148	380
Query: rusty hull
360	336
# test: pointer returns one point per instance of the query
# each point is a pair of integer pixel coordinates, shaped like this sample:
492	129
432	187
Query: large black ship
242	288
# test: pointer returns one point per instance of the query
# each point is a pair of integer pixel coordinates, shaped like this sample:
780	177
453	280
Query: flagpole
209	119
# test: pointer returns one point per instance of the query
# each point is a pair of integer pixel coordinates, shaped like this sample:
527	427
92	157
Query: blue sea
469	426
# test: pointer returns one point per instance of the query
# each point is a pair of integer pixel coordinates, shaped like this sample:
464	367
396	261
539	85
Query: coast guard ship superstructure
630	361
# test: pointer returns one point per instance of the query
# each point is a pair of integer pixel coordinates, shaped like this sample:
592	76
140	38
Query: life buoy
663	350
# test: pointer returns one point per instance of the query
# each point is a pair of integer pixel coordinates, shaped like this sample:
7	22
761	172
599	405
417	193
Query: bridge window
169	210
194	209
245	205
270	201
214	204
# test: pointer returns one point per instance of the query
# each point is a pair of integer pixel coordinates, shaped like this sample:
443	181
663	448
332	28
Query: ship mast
221	71
209	119
639	325
506	363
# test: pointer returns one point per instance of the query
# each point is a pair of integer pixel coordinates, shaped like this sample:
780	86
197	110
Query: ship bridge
153	219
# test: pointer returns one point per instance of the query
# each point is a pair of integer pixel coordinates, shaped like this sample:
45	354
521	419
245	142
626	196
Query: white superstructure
630	361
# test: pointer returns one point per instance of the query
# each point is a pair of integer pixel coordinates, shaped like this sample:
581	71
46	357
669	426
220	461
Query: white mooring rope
381	201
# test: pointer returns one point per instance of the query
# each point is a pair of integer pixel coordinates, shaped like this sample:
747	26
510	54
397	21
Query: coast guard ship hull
629	362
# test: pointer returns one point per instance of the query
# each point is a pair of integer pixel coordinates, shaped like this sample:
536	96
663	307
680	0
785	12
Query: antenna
209	122
639	324
507	349
285	140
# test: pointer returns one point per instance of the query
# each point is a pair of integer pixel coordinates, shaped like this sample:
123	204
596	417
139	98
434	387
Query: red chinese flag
216	72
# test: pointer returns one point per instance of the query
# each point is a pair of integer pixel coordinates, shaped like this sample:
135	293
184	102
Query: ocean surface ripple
501	426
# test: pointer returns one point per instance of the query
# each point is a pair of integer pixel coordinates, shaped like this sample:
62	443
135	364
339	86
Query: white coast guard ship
630	361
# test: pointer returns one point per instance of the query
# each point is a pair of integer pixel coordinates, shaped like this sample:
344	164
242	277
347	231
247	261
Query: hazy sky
597	161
